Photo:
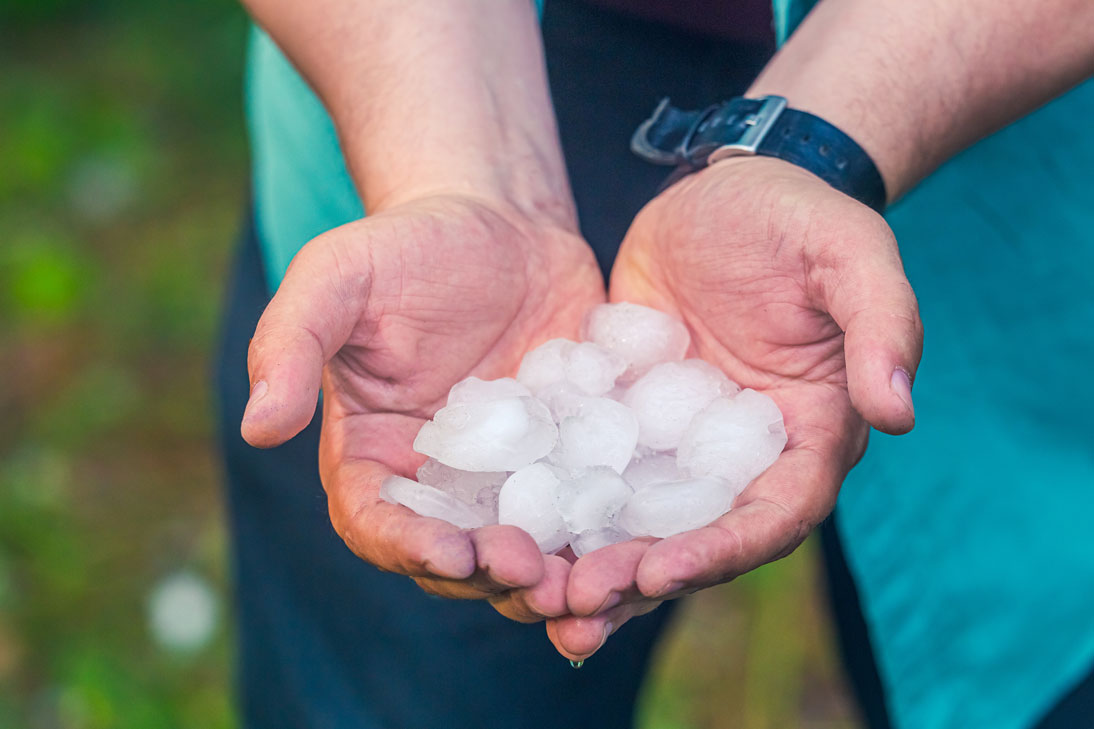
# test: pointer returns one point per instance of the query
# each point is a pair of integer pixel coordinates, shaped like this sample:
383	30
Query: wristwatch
692	140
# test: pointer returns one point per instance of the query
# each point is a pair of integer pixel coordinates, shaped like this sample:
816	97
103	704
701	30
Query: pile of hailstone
595	442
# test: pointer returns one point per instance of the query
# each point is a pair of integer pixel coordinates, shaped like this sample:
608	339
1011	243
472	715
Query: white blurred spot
182	612
101	187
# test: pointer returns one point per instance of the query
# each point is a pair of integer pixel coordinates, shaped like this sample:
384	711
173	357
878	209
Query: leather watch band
691	140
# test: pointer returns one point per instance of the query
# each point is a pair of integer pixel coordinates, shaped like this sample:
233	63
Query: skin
470	256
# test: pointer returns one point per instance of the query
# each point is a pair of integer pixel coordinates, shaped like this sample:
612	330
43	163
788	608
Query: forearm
916	82
431	96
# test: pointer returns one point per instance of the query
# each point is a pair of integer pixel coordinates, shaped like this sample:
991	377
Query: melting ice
595	442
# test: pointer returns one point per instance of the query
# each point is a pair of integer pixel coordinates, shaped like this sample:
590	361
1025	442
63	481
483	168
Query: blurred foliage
754	654
122	182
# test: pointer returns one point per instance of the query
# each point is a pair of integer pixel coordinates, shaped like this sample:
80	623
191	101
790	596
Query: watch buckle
640	140
757	126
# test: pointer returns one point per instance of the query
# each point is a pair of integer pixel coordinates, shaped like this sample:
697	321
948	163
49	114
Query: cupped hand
797	291
388	313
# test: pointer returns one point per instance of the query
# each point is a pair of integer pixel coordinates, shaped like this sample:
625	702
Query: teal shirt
300	182
969	538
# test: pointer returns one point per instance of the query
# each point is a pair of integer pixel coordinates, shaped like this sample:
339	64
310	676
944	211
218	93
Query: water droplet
577	664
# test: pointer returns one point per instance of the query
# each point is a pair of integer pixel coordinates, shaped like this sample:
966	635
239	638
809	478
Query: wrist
516	184
888	157
508	153
511	190
764	127
831	67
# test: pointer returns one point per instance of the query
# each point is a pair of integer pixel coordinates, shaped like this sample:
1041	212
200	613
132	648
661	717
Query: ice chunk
486	504
602	432
545	365
654	468
593	539
592	499
464	485
665	509
429	501
667	397
733	438
477	489
562	398
588	367
640	335
527	500
493	435
593	369
475	390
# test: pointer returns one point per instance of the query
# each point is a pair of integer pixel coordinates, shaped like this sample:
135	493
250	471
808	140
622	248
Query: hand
797	291
390	312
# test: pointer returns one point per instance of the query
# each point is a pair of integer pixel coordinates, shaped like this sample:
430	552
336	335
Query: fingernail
610	601
257	393
607	631
667	588
901	384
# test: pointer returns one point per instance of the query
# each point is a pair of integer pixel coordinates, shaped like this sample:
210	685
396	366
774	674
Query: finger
872	302
507	556
307	322
479	586
391	536
545	599
772	517
476	587
603	579
578	638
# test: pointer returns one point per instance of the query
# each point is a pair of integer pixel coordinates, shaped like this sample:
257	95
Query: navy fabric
607	71
1075	710
852	633
326	640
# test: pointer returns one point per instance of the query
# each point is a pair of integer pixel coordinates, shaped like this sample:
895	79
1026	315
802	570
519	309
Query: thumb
308	320
872	302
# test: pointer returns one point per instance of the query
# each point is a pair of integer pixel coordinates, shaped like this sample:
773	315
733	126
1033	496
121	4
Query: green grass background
123	176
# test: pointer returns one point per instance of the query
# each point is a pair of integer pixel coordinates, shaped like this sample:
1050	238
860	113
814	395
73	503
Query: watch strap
691	140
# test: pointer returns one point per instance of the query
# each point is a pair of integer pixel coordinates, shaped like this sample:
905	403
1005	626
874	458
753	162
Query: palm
455	289
744	283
